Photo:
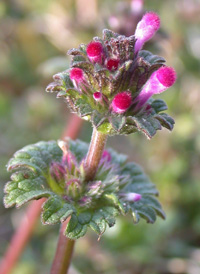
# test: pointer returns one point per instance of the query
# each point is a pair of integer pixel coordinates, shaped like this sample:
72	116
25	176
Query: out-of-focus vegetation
34	37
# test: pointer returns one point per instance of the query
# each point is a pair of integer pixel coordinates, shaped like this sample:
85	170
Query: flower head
111	79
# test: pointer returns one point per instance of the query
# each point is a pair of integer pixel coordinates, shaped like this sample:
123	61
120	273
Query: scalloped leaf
97	220
151	58
148	207
56	210
159	105
31	180
147	124
165	120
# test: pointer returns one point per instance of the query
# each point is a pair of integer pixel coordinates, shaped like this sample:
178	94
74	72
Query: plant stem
21	237
94	154
63	254
23	233
65	246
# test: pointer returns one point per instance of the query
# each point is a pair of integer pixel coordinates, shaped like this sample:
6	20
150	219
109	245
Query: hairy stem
65	246
94	154
26	226
63	254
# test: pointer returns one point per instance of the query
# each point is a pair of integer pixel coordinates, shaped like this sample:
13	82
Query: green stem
94	154
65	246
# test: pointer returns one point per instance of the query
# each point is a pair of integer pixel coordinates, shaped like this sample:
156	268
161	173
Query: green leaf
165	120
83	107
151	58
148	206
30	178
147	125
56	210
97	118
117	121
159	105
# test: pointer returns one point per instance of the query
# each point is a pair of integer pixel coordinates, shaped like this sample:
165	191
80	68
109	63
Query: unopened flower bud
121	102
76	74
95	51
106	156
97	96
159	81
57	172
112	64
146	29
131	196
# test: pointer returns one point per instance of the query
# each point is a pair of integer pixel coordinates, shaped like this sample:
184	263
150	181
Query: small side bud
76	74
159	81
106	156
95	51
146	29
97	96
112	64
131	197
121	102
57	172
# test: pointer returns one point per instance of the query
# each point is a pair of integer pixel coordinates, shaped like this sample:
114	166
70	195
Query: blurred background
34	38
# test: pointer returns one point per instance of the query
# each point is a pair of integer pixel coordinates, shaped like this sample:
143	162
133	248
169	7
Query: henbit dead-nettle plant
111	82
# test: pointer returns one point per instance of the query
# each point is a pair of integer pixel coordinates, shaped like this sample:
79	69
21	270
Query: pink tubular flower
95	51
146	29
131	196
76	74
121	102
159	81
112	64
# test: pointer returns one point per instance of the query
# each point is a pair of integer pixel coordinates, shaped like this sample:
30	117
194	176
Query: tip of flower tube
166	76
97	96
94	49
76	74
121	102
152	19
112	64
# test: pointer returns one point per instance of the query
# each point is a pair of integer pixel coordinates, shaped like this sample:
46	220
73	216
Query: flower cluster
112	79
69	176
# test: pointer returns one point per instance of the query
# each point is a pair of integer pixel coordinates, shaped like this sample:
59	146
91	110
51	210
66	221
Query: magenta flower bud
106	156
97	96
76	74
146	29
131	196
121	102
95	51
159	81
112	64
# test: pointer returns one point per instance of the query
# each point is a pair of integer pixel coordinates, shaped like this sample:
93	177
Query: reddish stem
65	246
26	227
64	252
21	237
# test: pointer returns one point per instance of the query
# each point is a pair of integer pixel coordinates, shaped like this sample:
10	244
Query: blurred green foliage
35	35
